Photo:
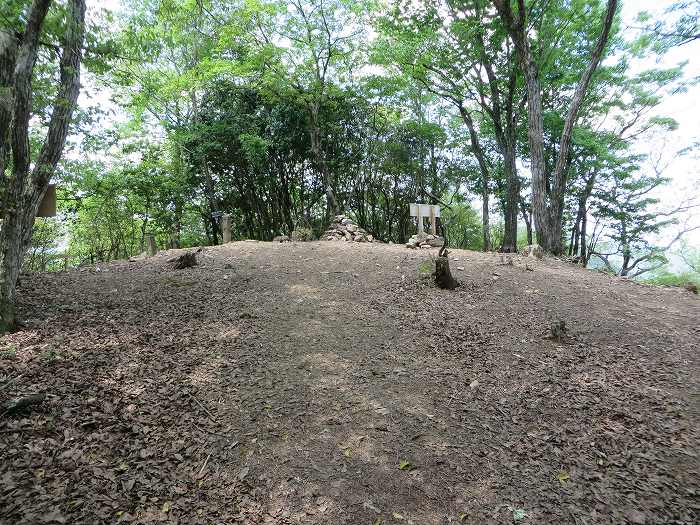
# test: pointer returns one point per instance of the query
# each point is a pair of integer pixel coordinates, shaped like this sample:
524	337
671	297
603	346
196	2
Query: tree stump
186	260
443	275
557	330
15	405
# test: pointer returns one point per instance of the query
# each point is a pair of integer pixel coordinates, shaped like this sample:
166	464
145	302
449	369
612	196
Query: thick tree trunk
502	112
547	202
584	240
8	56
25	189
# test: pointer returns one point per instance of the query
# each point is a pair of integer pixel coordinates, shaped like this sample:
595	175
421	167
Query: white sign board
421	211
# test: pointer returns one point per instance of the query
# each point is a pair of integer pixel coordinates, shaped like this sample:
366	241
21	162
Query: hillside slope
330	383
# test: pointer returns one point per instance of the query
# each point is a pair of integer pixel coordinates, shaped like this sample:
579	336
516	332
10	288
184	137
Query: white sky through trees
683	107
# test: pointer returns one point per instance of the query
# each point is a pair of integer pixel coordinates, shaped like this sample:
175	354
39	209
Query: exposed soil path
331	383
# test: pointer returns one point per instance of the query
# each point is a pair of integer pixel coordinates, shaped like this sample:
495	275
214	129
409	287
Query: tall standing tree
318	52
548	189
458	51
627	207
25	178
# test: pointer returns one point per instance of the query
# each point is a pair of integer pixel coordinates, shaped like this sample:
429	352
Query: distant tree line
522	119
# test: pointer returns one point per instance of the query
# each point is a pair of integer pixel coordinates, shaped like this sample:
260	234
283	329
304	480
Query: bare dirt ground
330	383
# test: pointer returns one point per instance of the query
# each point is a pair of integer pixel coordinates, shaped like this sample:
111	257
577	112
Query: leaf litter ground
331	383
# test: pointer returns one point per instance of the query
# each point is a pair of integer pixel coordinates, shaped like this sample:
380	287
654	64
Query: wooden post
433	228
443	276
226	227
151	244
65	262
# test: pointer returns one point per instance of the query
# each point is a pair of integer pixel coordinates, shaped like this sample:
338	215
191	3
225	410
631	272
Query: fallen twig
201	471
211	432
211	416
10	381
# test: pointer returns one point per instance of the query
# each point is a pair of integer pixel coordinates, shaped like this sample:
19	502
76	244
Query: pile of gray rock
425	240
345	229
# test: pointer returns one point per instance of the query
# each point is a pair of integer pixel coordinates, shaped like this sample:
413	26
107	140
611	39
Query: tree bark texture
443	275
547	199
26	187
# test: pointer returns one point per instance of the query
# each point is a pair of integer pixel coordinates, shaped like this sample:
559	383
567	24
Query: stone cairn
425	240
344	229
533	250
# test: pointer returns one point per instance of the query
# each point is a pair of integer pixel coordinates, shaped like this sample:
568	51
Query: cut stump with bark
557	330
15	405
186	260
443	275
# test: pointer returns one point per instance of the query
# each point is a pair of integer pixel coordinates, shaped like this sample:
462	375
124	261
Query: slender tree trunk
527	219
26	187
576	228
584	241
510	212
583	214
478	152
332	207
485	221
177	225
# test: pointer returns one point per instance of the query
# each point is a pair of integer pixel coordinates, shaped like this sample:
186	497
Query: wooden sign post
226	227
151	246
421	211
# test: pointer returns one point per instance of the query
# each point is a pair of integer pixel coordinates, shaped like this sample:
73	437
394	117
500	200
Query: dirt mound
330	383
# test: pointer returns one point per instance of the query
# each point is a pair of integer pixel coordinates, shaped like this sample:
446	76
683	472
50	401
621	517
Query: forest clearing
349	262
330	382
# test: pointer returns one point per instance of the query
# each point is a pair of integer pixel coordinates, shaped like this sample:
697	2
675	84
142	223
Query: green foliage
425	268
8	352
44	251
463	227
258	108
685	270
679	26
668	278
302	234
